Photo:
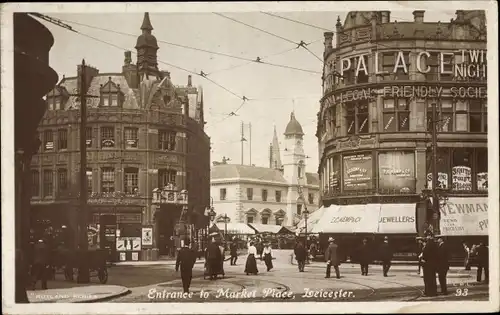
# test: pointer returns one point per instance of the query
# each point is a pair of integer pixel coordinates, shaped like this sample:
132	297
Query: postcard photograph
249	157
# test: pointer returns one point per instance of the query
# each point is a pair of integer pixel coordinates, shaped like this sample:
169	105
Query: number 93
462	292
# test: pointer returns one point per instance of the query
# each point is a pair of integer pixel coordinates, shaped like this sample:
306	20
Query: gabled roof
227	171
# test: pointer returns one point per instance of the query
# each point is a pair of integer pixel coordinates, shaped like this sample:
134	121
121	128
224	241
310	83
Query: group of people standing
266	255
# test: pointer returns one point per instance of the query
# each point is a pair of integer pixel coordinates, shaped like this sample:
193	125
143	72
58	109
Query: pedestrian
300	254
482	262
234	252
365	257
313	249
41	264
443	264
251	263
268	257
213	259
332	258
386	256
420	245
429	254
222	247
260	248
186	259
467	250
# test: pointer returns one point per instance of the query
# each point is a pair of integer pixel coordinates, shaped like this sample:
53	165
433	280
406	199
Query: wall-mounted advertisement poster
358	171
397	171
334	172
482	181
461	178
442	180
147	236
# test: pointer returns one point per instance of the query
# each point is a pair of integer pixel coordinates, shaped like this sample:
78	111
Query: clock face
299	142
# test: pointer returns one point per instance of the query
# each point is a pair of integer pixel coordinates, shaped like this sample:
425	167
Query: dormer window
110	94
56	98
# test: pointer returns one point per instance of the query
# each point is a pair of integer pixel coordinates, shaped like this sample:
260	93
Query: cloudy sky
273	91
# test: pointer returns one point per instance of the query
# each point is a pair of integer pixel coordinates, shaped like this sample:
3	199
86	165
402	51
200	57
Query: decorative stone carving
169	158
356	141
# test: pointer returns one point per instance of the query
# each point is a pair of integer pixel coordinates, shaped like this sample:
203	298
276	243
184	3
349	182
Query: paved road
285	283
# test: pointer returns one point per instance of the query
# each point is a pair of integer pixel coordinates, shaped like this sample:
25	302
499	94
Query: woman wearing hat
268	258
251	264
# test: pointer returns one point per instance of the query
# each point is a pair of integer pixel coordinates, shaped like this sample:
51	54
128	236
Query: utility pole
83	270
250	131
242	140
435	198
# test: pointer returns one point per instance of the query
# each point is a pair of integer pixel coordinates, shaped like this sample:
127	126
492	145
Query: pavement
157	281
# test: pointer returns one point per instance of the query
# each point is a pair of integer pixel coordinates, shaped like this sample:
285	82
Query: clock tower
147	47
293	166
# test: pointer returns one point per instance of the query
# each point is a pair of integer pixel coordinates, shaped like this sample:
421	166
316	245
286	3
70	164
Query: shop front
464	220
350	224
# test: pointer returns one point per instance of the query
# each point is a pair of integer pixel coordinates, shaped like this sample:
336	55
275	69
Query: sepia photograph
249	156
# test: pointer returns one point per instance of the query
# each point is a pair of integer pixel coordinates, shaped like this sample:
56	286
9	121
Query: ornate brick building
380	83
142	133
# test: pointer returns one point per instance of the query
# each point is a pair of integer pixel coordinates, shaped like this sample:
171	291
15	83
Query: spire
146	23
275	159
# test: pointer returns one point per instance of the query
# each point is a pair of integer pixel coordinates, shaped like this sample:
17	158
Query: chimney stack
418	16
328	42
338	29
190	84
386	16
460	15
128	57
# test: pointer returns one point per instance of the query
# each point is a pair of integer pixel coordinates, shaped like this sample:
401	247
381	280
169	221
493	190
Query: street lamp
210	215
306	213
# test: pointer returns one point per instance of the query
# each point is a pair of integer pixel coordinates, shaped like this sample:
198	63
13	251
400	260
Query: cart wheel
103	275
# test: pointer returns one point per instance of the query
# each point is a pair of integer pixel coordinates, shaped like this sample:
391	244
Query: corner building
142	133
380	83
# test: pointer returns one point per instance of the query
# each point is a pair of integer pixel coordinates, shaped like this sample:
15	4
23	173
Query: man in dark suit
213	259
386	256
186	259
234	252
332	258
364	256
443	264
40	264
482	262
301	255
429	253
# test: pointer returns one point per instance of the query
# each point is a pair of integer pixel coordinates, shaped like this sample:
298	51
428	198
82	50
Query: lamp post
306	213
225	225
210	215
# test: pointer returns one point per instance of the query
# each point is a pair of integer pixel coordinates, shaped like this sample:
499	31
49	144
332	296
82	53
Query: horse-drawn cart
96	259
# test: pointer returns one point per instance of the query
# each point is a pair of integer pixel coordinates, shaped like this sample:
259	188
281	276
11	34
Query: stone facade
380	83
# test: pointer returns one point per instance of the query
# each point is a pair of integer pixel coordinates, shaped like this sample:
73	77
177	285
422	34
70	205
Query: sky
274	92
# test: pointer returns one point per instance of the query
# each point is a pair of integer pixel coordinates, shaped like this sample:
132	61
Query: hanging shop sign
357	171
397	171
464	216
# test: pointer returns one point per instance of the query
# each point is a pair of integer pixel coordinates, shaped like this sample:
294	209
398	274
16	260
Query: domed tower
293	165
147	46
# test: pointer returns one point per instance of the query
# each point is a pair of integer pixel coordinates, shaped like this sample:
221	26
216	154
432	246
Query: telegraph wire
257	60
295	21
201	74
300	44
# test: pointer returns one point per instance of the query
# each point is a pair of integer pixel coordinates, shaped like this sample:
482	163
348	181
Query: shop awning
312	220
235	228
265	228
397	218
349	219
464	216
285	230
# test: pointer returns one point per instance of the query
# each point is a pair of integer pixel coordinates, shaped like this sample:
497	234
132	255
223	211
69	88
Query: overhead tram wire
300	44
198	49
295	21
160	61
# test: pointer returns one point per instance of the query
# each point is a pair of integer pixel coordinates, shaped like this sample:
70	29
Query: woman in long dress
268	257
251	264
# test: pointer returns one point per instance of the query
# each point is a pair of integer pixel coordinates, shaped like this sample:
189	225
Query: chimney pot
418	16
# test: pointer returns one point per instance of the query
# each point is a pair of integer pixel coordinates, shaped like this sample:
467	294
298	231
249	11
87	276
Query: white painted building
267	195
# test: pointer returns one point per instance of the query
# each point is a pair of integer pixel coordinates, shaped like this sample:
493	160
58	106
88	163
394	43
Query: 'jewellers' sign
464	216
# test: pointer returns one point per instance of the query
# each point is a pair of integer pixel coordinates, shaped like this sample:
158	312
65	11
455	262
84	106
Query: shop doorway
166	218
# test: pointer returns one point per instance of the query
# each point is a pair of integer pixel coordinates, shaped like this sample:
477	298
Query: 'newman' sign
464	216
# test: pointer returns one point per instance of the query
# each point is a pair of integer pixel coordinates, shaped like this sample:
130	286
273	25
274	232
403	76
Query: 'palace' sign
467	63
